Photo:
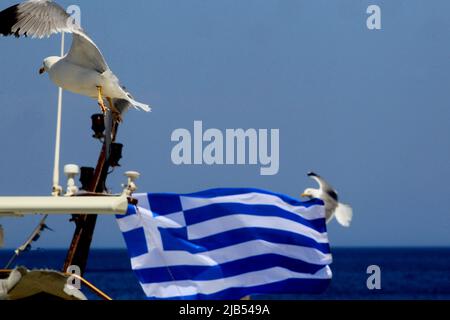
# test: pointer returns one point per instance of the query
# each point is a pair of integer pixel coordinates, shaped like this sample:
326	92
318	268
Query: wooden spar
78	253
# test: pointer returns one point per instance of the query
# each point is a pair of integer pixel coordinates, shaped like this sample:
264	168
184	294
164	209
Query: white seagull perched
326	193
83	70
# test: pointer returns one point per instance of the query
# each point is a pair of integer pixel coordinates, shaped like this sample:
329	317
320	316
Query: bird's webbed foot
117	115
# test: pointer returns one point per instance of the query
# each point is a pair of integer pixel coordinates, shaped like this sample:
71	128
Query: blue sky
368	110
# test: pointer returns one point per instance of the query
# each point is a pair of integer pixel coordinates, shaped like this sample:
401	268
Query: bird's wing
36	19
85	53
344	214
329	216
324	185
43	18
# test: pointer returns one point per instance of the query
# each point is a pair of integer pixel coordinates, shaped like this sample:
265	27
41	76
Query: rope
33	237
93	288
89	285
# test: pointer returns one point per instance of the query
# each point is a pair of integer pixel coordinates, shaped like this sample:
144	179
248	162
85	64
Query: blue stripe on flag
225	270
233	237
219	210
168	203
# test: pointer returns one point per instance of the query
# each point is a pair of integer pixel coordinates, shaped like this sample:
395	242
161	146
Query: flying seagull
342	212
83	70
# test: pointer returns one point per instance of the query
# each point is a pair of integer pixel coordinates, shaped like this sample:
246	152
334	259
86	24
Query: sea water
405	273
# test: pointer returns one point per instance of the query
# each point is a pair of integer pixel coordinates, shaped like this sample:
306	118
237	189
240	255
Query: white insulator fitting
71	171
131	185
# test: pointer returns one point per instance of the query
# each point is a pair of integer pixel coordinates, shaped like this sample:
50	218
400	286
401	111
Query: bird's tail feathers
122	105
136	104
142	106
344	214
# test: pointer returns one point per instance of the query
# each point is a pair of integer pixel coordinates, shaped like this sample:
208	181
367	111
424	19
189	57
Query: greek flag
225	244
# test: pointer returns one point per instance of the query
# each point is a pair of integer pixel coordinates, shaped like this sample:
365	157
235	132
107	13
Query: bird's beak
304	195
42	70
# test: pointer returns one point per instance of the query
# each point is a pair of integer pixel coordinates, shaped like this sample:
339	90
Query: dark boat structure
82	204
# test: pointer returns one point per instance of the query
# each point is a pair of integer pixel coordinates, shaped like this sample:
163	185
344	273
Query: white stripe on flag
237	252
311	213
237	221
130	223
252	279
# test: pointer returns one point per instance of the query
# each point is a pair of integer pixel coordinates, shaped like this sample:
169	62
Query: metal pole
83	204
57	190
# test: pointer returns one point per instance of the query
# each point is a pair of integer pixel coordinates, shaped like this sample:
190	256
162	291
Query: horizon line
332	247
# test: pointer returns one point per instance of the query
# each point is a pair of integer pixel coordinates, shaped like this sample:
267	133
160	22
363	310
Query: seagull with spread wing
333	208
83	70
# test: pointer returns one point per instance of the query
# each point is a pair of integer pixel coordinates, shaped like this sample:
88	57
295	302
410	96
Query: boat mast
85	224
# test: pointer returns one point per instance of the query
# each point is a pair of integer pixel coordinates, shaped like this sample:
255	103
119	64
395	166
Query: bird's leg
116	113
101	103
